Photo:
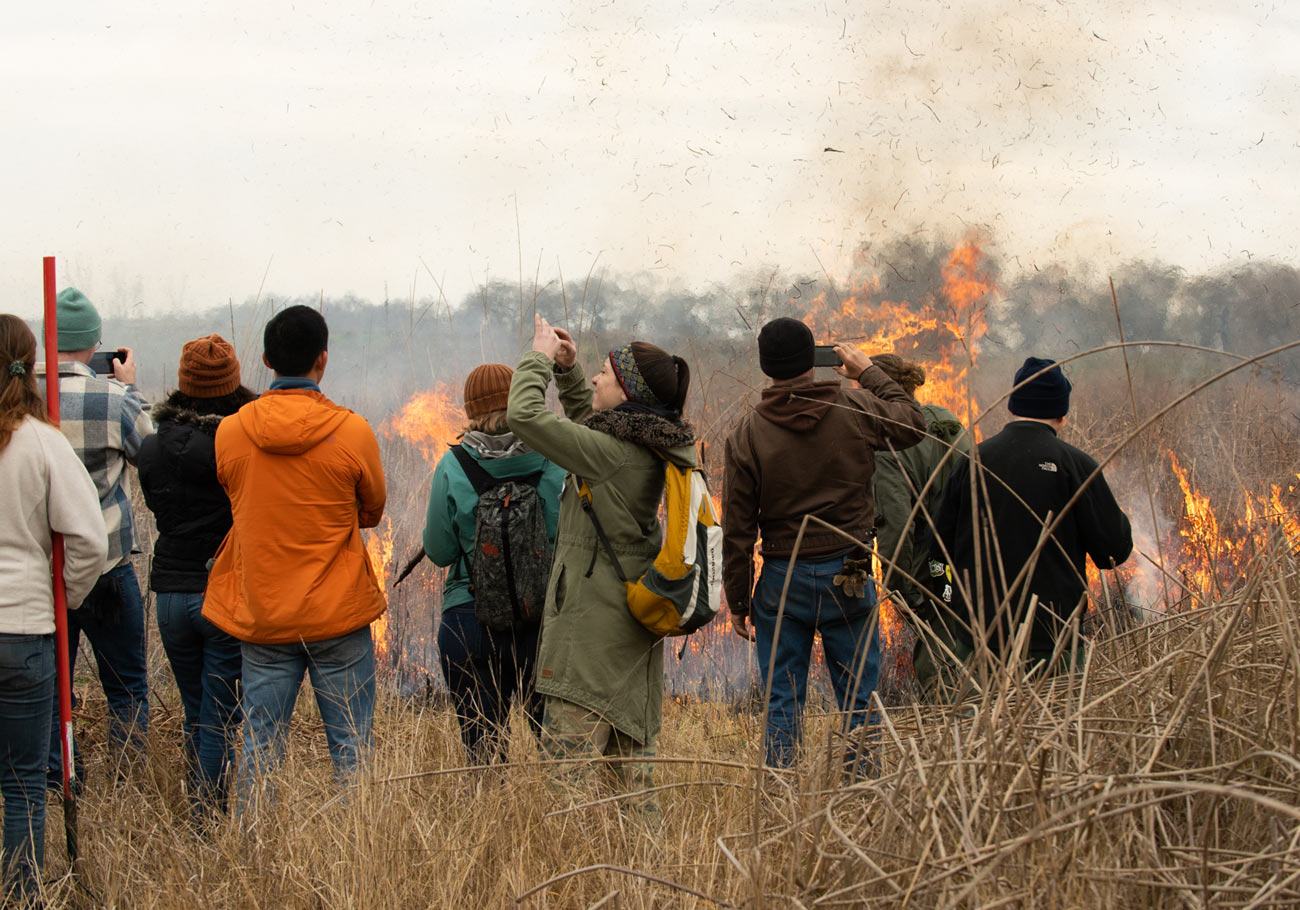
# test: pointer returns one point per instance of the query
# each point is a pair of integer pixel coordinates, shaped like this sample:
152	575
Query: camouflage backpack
511	560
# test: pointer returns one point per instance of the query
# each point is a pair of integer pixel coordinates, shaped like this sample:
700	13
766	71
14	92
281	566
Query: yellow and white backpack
682	590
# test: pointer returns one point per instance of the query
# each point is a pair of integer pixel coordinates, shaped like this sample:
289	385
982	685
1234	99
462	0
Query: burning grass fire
1198	545
431	421
1208	557
1164	775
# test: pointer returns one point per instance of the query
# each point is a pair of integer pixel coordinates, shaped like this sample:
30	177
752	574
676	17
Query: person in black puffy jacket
178	476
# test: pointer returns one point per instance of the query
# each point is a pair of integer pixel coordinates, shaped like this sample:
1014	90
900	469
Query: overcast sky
167	152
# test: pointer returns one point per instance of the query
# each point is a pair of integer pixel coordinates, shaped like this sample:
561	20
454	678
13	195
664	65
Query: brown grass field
1165	774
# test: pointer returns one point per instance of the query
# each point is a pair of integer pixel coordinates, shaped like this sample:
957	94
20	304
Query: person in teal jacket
485	669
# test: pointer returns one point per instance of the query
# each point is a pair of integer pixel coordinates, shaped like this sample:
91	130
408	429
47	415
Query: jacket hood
491	446
788	405
185	443
207	422
519	464
941	423
675	440
291	421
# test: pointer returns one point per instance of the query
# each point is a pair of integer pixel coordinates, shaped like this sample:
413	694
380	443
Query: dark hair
20	396
222	405
668	376
293	339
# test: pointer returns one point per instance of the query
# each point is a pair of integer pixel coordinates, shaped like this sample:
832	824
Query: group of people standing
261	575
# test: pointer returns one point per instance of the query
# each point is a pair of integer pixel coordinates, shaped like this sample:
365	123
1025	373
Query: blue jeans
813	605
484	669
26	693
112	617
207	664
342	674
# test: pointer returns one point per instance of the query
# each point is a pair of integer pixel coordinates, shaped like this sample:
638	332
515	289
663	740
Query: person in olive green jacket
904	537
600	670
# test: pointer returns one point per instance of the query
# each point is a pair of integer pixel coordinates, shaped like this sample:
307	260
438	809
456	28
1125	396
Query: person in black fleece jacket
1027	477
178	476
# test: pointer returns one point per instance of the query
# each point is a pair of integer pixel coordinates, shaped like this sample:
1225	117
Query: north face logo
1048	466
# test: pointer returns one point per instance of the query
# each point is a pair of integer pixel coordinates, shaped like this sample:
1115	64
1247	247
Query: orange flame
1203	544
431	421
379	547
1207	554
941	331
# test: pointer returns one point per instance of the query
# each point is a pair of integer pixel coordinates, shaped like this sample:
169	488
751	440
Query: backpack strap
584	496
477	475
531	480
481	480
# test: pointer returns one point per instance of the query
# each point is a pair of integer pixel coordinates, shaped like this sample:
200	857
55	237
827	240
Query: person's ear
267	363
321	360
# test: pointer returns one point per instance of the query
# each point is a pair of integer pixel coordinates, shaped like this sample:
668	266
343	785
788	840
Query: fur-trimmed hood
184	443
206	422
642	428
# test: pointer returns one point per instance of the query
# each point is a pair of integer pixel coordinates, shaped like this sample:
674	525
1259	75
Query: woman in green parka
600	670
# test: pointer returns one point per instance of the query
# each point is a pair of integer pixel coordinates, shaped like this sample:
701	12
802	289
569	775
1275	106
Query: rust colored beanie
209	368
487	389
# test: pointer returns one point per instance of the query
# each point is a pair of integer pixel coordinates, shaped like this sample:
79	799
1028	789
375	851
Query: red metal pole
62	662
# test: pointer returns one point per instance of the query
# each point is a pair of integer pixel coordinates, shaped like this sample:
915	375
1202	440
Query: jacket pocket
558	589
26	661
767	590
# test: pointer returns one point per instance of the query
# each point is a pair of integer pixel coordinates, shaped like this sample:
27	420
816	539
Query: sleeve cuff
568	378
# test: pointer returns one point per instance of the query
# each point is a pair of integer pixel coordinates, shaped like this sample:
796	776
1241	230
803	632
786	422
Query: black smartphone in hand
824	356
102	361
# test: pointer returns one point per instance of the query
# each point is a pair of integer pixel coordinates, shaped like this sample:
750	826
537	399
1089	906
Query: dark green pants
941	676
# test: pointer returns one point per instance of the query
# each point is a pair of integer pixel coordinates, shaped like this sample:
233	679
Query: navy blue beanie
1045	397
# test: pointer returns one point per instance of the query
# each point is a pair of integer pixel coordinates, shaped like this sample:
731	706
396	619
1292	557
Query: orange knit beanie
208	368
487	389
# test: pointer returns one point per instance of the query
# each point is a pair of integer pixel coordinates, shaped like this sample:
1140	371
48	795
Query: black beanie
1045	397
785	348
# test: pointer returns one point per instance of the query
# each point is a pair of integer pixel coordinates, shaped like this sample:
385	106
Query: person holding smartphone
767	491
106	420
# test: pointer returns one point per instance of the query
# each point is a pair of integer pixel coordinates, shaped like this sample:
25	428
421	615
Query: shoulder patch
1048	466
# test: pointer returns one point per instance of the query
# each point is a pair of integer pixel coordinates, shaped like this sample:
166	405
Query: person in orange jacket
292	580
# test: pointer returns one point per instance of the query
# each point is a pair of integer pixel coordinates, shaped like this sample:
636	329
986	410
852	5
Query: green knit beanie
79	326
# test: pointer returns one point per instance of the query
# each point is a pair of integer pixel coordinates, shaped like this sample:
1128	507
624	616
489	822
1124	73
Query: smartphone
824	356
102	361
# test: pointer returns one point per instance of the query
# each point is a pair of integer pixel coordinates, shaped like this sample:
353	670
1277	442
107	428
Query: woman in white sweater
45	489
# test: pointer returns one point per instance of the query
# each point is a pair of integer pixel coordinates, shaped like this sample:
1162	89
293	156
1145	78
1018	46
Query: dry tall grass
1166	774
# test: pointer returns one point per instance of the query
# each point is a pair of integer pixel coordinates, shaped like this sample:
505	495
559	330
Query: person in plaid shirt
105	420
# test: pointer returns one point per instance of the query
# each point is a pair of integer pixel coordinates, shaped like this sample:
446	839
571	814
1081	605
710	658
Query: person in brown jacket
808	448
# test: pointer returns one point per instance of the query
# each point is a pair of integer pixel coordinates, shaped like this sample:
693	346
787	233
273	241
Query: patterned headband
629	377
